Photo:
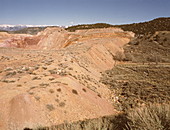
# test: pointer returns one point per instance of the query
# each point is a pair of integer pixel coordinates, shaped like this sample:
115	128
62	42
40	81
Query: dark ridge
88	26
159	24
3	31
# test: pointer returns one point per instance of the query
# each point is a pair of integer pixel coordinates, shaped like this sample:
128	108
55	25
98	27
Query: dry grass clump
62	104
119	56
150	117
51	91
50	107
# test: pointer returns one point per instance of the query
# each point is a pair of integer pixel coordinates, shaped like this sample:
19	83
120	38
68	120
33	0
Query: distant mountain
159	24
7	27
28	30
12	27
24	29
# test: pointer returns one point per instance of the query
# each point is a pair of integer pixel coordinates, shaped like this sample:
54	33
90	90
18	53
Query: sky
72	12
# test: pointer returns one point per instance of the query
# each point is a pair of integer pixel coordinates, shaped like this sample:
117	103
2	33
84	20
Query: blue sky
66	12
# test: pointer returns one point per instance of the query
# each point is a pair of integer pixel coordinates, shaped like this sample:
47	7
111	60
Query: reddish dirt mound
60	79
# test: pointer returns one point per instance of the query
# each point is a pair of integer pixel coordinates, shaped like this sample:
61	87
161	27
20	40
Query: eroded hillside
53	77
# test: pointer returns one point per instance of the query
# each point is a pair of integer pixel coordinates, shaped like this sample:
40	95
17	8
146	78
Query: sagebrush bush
149	117
75	91
119	56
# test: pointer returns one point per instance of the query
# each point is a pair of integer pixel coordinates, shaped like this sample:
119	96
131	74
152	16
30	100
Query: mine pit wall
97	57
100	51
102	54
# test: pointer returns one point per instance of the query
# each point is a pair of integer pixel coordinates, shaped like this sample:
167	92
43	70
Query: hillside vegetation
140	80
149	48
159	24
88	26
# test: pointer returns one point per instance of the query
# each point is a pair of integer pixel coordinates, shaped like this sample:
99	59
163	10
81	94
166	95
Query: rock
8	69
11	73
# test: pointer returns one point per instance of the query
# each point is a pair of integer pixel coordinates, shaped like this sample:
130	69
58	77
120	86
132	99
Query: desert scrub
44	84
51	91
59	90
135	84
84	90
149	117
119	56
62	104
50	107
75	91
37	98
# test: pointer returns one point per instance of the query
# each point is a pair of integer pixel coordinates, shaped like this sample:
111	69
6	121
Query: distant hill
159	24
3	31
88	26
149	48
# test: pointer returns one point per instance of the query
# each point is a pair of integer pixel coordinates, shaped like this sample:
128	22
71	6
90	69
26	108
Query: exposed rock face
15	40
57	77
57	38
52	38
